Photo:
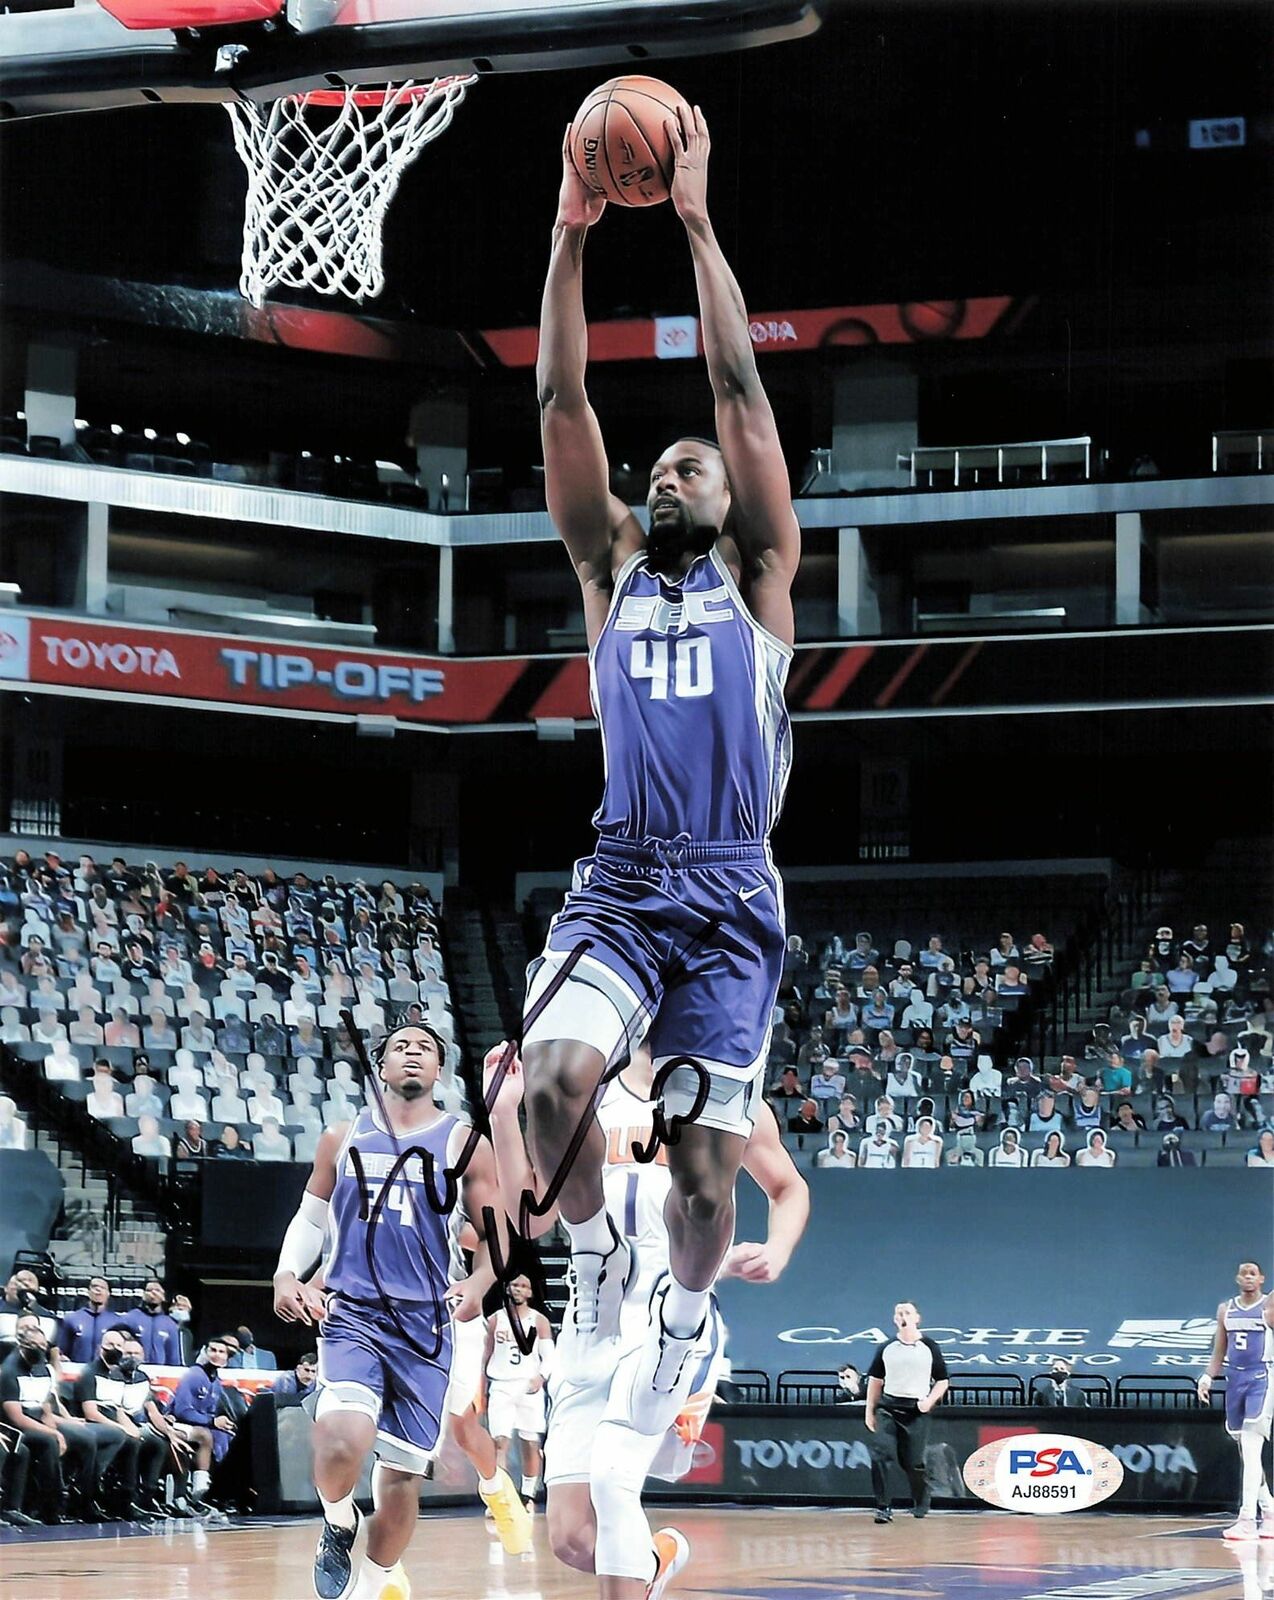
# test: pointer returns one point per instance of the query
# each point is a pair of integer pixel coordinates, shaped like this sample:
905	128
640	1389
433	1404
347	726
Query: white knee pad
619	1464
591	1006
333	1397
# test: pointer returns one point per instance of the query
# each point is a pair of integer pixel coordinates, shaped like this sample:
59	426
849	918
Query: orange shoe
673	1552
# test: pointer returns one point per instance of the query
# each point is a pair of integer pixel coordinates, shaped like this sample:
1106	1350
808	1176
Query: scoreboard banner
1143	666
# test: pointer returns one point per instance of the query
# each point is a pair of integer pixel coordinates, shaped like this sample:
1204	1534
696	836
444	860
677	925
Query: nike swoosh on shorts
748	894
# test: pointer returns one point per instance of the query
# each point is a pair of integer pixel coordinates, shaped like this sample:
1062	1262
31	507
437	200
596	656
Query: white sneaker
673	1551
663	1372
1244	1528
597	1284
1266	1512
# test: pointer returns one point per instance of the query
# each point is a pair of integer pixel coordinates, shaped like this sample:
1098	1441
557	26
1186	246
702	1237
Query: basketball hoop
323	168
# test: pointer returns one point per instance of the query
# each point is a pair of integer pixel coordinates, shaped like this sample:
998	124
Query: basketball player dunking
1245	1344
596	1460
391	1276
679	910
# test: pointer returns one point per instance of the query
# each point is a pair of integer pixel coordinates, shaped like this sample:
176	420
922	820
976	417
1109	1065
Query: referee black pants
902	1432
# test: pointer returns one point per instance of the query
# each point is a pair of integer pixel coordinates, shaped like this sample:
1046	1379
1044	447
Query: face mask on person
127	1365
111	1357
180	1316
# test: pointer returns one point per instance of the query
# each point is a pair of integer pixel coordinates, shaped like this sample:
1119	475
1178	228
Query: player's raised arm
771	1167
295	1301
590	519
762	518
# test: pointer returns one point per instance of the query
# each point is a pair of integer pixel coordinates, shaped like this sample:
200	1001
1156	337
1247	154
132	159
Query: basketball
618	143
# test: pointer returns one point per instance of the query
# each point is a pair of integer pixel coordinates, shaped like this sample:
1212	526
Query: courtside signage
1043	1474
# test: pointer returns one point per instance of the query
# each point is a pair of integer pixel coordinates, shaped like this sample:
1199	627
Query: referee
907	1378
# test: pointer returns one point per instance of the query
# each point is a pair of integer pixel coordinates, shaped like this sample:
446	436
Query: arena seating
157	999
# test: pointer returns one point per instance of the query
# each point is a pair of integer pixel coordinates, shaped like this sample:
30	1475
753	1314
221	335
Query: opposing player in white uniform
1245	1344
596	1460
514	1382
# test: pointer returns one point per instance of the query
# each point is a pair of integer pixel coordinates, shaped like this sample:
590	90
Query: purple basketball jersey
413	1245
688	690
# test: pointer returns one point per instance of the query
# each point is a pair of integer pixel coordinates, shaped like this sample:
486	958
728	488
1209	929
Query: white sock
592	1234
371	1580
1250	1446
340	1513
684	1309
489	1485
529	1487
199	1481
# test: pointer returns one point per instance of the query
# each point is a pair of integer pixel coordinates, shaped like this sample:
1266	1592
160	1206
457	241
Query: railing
751	1386
801	1387
984	1389
977	458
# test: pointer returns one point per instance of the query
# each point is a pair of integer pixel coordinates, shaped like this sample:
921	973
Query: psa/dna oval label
1043	1473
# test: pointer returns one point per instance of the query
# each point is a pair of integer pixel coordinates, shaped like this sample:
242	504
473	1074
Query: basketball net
322	170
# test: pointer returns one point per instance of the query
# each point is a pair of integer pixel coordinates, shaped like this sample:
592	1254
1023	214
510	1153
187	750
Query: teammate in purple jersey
1245	1344
677	916
392	1289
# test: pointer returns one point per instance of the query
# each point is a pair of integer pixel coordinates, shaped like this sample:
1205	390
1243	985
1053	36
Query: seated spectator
1162	1010
1022	1082
1068	1079
918	1013
1241	1077
879	1149
986	1081
884	1113
1182	978
1176	1044
845	1116
1009	1152
143	1099
1220	1116
1004	952
1127	1120
104	1099
965	1113
886	1050
1198	947
60	1066
270	1039
902	1081
300	1381
840	1019
48	1030
1147	976
828	1083
1044	1116
1166	1117
806	1119
13	1130
1136	1041
188	1104
962	1043
239	977
903	985
230	1147
1087	1112
1116	1080
814	1051
198	1036
158	1033
933	955
1225	975
788	1088
1052	1153
11	1030
191	1143
878	1013
1172	1153
862	1080
271	1144
863	955
1011	981
837	1153
1096	1152
103	966
864	986
149	1142
923	1148
120	1033
955	1008
1262	1152
1163	950
82	993
1238	951
12	993
924	1046
265	1103
943	980
964	1150
235	1037
1038	957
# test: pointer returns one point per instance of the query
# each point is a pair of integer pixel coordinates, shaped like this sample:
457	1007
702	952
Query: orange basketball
618	143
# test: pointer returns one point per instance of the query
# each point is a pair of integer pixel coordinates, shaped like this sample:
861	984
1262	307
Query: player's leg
347	1413
460	1414
532	1465
913	1436
1247	1419
575	1412
396	1498
631	1562
884	1452
572	1524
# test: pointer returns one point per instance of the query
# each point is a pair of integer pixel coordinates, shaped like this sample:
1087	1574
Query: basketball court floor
816	1553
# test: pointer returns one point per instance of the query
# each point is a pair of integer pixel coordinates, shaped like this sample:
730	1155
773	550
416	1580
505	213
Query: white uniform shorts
511	1410
468	1342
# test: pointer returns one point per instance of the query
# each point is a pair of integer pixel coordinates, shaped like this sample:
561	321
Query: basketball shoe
333	1568
512	1522
672	1551
1244	1528
1265	1510
663	1374
597	1283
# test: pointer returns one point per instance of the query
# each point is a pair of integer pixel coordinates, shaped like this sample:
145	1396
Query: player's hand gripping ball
620	143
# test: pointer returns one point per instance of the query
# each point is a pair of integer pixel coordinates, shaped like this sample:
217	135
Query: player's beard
671	538
411	1088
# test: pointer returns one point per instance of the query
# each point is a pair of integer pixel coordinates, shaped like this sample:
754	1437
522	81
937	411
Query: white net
322	171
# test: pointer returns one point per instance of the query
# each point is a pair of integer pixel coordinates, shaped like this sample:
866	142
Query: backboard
126	52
